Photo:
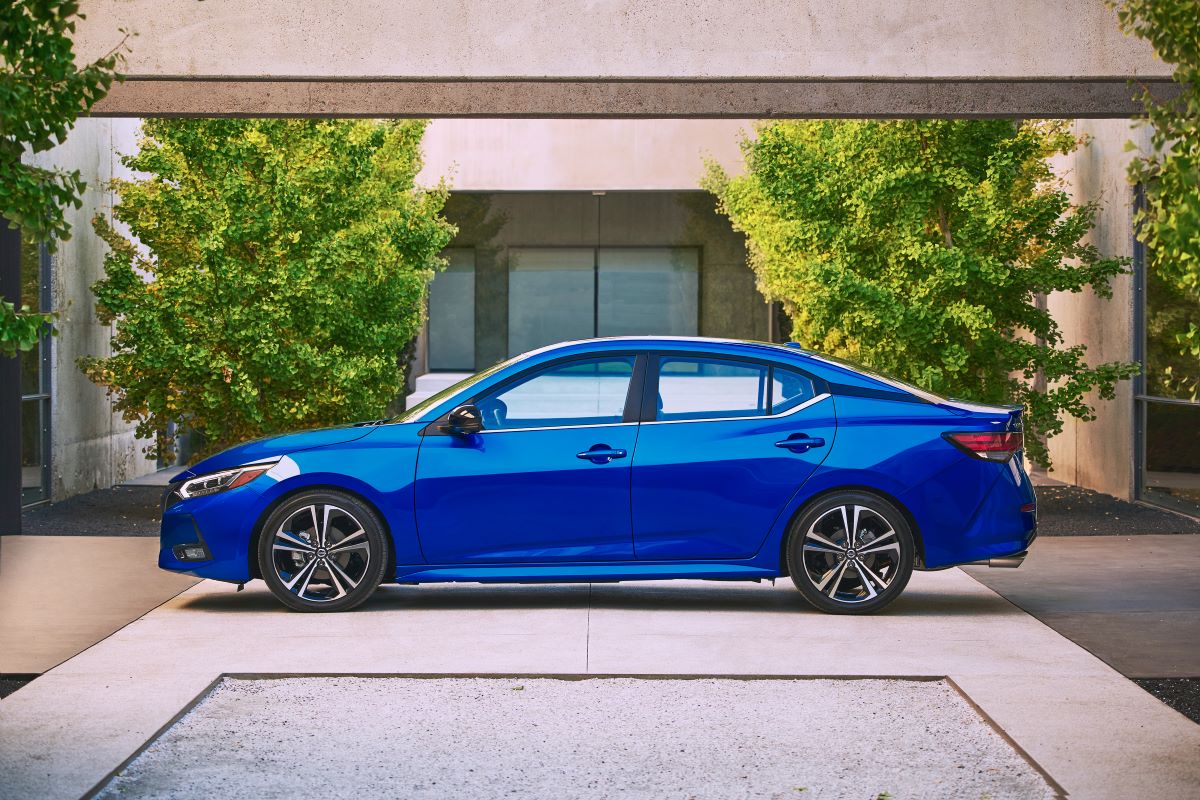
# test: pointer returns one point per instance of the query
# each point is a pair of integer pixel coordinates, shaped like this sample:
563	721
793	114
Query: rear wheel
850	553
322	551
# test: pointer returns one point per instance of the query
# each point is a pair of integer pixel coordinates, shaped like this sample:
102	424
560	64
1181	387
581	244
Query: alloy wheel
321	553
851	554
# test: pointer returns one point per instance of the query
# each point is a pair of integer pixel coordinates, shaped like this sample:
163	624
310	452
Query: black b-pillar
10	389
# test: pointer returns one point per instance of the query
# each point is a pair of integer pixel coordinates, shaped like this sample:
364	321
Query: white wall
91	446
578	155
666	38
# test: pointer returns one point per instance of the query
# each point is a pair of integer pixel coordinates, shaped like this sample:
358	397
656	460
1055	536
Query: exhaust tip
1004	562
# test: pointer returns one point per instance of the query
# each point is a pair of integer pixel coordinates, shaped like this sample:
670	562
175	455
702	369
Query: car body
625	459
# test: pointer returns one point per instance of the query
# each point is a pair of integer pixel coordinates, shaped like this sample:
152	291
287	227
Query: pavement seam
1044	624
1059	791
123	627
144	746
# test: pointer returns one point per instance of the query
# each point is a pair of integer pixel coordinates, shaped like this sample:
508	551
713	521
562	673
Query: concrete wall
1099	454
578	155
748	58
91	447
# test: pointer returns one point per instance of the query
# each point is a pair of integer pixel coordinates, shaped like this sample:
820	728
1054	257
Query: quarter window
583	392
789	389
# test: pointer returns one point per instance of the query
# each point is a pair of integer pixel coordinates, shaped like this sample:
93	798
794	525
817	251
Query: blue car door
730	443
548	477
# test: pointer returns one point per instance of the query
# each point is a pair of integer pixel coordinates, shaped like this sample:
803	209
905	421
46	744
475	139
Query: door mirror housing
464	420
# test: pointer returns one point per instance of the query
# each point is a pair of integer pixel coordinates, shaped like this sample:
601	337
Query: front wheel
850	553
322	551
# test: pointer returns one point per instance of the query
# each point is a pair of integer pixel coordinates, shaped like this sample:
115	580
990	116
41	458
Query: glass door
35	380
1167	421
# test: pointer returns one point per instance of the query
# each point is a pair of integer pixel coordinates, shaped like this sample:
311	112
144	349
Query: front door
546	480
730	444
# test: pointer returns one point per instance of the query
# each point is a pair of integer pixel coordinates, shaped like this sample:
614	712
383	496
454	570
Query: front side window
710	388
580	392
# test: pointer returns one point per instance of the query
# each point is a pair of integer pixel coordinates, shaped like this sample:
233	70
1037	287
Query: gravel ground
599	738
10	684
1073	511
1181	694
120	511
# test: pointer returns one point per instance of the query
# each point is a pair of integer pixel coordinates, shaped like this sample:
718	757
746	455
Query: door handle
800	442
602	454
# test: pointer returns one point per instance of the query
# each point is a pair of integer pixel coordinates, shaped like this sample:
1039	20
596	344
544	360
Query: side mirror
463	420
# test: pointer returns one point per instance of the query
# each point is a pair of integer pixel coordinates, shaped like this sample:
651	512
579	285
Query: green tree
920	248
280	270
41	94
1169	222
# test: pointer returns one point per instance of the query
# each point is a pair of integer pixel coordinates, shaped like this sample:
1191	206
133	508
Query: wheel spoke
292	539
879	581
836	547
316	526
854	530
341	590
340	546
835	576
823	549
880	538
865	581
883	547
307	569
846	527
336	567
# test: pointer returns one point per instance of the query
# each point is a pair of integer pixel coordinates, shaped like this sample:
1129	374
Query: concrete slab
1134	601
60	595
63	734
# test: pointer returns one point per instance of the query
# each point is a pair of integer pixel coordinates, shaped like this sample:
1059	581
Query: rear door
724	445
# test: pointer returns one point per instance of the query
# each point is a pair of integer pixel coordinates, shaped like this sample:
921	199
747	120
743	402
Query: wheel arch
389	574
918	541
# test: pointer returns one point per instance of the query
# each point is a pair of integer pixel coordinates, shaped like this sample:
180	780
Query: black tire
857	579
306	574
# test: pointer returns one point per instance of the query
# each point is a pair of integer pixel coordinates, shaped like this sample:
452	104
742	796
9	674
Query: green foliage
41	94
281	269
920	248
1169	223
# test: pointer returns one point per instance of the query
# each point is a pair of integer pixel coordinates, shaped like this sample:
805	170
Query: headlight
215	482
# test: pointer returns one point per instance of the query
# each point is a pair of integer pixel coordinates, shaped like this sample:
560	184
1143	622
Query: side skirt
579	573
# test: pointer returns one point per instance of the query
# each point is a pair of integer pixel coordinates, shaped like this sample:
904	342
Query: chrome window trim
787	413
558	427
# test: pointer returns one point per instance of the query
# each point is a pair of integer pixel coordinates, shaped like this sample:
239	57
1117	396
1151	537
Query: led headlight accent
215	482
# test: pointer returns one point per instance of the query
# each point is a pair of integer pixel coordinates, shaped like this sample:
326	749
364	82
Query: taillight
989	446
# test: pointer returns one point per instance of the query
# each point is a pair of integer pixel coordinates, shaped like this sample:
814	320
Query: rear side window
707	388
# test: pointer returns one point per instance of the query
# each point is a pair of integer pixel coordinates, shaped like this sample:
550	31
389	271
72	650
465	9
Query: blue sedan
615	460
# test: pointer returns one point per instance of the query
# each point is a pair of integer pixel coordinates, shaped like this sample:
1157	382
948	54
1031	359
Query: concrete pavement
1092	730
1134	601
61	595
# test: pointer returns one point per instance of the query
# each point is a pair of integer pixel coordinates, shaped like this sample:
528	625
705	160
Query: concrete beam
619	58
627	98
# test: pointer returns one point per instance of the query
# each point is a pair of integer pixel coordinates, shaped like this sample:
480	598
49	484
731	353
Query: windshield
413	414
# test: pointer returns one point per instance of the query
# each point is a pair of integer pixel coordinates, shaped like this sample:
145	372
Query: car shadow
620	597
